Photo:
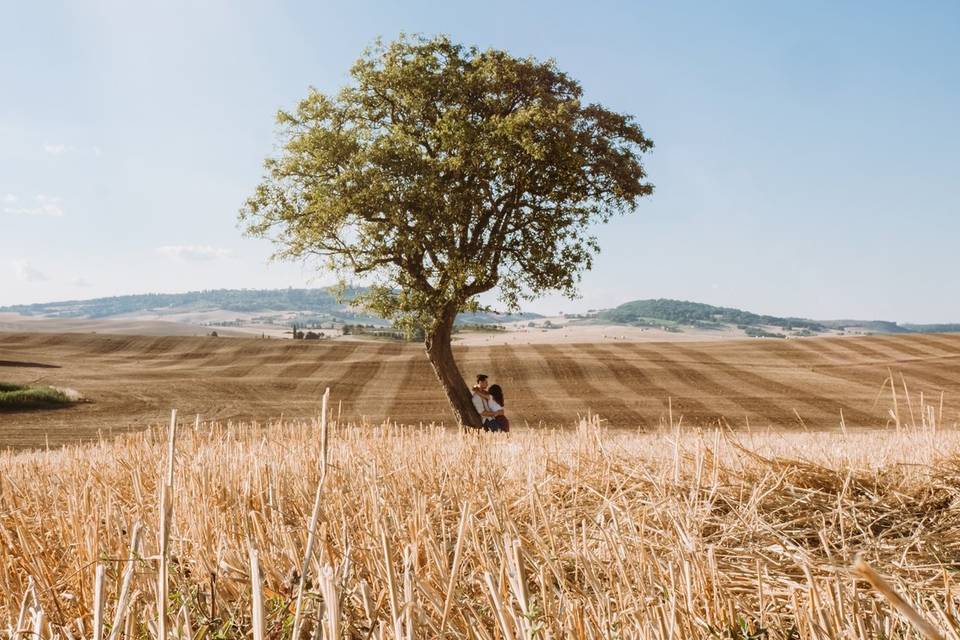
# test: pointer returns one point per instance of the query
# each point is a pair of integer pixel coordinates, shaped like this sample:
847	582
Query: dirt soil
134	381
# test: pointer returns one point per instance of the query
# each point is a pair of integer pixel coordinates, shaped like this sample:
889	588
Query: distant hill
320	306
932	328
697	314
307	304
681	312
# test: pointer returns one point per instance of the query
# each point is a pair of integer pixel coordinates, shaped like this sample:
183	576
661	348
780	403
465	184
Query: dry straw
431	533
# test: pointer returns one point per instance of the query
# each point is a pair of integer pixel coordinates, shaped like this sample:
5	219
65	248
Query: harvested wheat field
133	381
431	533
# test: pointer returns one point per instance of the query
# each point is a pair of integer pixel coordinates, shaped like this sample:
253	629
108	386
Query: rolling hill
684	313
133	381
320	307
305	306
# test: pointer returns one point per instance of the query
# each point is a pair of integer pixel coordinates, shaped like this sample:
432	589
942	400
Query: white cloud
50	206
193	252
9	198
26	272
79	282
97	151
56	149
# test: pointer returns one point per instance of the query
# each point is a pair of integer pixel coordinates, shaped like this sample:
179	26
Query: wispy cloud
50	206
193	252
26	272
79	282
97	151
57	149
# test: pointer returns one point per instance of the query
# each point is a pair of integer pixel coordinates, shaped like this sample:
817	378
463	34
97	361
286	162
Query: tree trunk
440	354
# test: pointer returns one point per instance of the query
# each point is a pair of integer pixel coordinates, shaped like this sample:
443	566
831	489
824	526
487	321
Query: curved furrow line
218	347
850	365
920	373
808	353
114	345
896	365
854	368
349	388
568	370
825	348
949	342
638	381
417	387
282	352
160	346
166	352
757	406
303	369
856	347
820	404
15	339
380	395
517	376
903	345
241	362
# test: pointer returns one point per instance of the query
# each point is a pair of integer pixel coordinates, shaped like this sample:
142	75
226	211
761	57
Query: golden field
724	491
134	381
428	533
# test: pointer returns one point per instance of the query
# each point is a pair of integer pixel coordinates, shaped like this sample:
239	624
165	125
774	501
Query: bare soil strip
518	378
922	372
576	380
822	410
359	375
134	381
949	342
310	361
771	413
638	382
418	384
911	347
27	365
860	348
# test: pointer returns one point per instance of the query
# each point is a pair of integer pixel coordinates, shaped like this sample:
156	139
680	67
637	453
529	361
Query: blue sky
807	159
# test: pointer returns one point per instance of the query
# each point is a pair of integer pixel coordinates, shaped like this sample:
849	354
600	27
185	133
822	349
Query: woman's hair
497	394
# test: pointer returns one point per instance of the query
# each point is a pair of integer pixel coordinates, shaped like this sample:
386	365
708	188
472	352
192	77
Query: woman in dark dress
496	396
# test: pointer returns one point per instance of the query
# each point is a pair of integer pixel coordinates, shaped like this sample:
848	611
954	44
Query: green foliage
15	397
742	629
313	306
442	172
757	332
483	328
240	300
933	328
696	314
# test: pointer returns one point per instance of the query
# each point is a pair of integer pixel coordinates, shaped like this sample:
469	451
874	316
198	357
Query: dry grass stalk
455	568
98	603
880	584
256	589
314	518
166	517
123	599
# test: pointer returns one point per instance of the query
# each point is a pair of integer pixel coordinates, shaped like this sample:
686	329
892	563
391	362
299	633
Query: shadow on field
31	365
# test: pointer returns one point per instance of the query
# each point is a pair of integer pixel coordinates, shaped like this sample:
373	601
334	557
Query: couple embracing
489	404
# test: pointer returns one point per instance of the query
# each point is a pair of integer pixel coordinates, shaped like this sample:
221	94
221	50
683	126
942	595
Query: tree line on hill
652	312
320	302
696	313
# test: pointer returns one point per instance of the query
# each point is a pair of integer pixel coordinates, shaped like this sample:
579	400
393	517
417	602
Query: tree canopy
442	172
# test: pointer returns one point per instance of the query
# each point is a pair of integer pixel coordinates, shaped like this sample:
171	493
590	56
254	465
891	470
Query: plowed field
133	381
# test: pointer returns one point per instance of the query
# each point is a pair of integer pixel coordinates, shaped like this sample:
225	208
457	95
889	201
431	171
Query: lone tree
443	172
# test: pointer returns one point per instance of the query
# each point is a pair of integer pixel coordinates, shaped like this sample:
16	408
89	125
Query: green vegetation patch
16	397
663	311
